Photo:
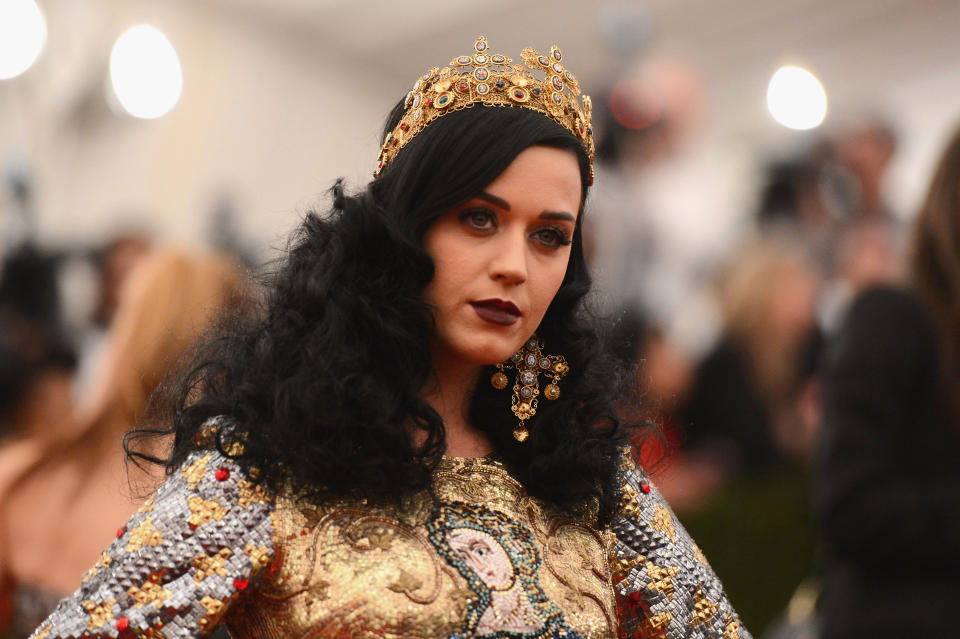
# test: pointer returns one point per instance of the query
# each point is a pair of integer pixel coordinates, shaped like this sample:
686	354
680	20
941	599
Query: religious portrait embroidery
498	558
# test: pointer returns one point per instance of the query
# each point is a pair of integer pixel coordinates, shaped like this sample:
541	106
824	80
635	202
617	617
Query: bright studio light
23	32
145	72
796	98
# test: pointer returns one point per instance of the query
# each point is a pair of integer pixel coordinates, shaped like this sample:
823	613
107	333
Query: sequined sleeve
179	563
663	584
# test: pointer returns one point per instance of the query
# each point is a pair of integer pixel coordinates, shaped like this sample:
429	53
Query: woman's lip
503	305
502	313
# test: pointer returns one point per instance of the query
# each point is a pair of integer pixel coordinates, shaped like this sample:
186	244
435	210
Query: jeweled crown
490	80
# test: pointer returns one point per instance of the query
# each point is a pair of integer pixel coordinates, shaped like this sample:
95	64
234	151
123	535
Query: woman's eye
551	237
479	219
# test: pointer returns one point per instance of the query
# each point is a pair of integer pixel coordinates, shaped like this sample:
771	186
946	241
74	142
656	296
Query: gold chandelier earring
529	363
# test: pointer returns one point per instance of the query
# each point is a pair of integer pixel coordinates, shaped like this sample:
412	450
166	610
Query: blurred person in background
738	474
656	241
113	262
887	482
863	151
741	407
58	513
830	200
36	371
36	359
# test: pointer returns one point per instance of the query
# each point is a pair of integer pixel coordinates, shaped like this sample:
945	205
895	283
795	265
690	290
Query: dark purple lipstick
497	311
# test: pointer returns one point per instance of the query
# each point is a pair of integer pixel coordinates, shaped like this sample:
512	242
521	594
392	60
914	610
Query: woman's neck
450	396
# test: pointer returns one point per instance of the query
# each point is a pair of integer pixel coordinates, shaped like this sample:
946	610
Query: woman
319	450
888	485
64	503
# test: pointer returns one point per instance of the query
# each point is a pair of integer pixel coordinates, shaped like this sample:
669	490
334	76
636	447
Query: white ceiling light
145	72
796	98
23	32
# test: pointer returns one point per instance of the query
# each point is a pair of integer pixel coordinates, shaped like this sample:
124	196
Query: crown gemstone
444	99
557	83
480	58
481	74
464	59
499	59
404	126
463	86
417	99
418	113
569	77
543	61
556	97
536	91
557	55
481	45
483	89
558	67
416	85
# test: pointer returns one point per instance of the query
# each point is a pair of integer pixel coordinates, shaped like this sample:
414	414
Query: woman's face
484	556
500	257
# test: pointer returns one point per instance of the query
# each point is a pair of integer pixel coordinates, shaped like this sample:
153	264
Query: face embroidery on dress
499	559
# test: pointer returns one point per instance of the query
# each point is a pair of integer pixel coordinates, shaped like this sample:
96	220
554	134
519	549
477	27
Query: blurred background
759	164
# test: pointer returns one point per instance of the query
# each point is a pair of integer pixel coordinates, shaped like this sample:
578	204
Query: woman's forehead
540	173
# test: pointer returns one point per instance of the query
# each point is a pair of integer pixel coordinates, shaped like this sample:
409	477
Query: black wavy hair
324	387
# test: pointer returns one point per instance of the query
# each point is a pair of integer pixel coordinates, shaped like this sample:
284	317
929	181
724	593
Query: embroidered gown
474	556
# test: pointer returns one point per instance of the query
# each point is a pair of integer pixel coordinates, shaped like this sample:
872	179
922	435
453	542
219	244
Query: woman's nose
509	263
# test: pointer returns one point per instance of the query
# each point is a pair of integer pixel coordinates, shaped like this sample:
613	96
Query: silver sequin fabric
664	585
178	563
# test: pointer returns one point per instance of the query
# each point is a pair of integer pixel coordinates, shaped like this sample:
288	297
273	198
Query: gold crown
490	80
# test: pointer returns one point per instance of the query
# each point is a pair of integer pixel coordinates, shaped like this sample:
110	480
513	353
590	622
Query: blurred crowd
802	367
809	461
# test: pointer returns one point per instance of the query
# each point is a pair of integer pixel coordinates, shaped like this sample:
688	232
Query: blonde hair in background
767	297
165	305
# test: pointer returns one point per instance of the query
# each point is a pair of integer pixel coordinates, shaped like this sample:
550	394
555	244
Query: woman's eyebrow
493	199
558	215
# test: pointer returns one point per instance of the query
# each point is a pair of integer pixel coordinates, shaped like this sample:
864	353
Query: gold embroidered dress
474	556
